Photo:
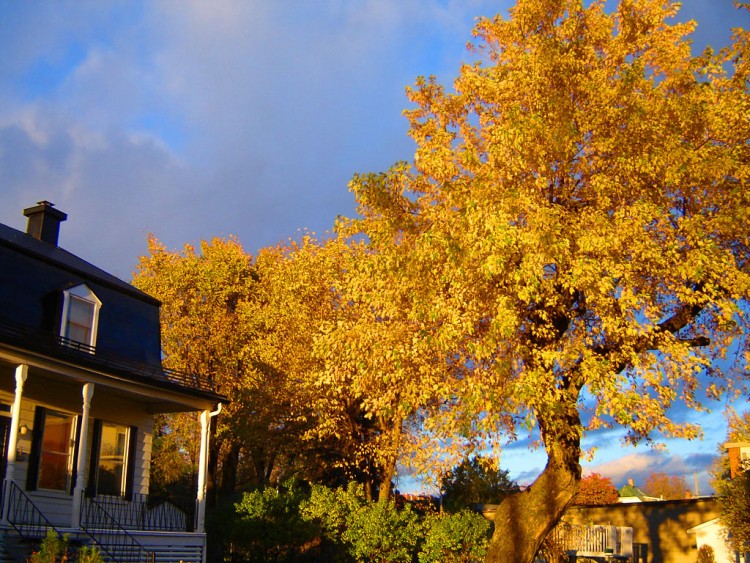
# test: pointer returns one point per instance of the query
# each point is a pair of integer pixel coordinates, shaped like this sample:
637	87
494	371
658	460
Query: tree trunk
523	520
384	485
391	432
229	472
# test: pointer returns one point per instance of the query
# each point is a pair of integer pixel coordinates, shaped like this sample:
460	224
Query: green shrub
368	531
379	532
282	525
88	554
455	538
330	509
53	549
267	525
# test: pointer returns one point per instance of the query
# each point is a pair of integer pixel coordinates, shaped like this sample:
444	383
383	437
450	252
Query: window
112	459
111	470
55	450
80	316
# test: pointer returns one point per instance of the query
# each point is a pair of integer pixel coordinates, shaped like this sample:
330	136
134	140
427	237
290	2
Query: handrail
27	520
114	540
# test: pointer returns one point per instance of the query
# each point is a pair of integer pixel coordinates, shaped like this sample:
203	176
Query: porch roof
28	341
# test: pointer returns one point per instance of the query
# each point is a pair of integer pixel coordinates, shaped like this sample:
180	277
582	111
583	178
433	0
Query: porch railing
114	540
593	541
151	513
23	515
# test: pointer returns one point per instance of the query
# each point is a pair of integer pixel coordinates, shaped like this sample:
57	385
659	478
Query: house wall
662	525
56	396
716	537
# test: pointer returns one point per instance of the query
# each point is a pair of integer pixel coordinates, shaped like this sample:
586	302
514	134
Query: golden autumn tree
370	360
667	487
201	290
299	296
222	319
571	241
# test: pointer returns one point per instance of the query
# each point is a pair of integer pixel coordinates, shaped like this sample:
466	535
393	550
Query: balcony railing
63	348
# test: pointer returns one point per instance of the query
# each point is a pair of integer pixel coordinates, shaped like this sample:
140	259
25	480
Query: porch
594	543
139	530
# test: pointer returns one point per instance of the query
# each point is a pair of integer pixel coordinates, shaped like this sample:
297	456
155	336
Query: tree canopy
596	489
667	487
568	251
571	239
476	480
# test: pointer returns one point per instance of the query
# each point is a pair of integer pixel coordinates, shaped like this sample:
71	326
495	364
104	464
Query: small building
739	457
80	382
631	493
713	534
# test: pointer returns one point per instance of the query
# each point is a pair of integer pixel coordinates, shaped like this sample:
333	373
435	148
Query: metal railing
143	512
59	346
23	515
594	541
116	543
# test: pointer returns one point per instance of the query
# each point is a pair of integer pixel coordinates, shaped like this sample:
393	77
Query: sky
199	119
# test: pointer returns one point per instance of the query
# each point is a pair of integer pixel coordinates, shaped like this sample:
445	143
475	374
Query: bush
88	554
379	532
367	531
455	538
706	554
53	548
330	509
268	526
283	524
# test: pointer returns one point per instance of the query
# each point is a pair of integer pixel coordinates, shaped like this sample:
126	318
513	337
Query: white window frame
123	481
84	293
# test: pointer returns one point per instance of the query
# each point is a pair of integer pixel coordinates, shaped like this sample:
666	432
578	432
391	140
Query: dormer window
80	316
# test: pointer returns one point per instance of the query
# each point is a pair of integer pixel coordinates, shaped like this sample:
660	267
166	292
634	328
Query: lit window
56	454
80	316
111	472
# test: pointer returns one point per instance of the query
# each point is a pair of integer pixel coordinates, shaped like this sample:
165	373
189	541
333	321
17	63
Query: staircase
114	541
28	525
5	555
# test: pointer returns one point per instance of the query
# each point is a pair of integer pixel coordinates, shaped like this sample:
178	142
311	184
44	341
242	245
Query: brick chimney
739	457
44	222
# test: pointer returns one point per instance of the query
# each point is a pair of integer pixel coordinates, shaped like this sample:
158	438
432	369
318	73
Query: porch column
22	372
83	446
200	517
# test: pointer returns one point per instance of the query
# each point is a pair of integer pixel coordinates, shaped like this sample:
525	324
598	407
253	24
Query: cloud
695	468
199	120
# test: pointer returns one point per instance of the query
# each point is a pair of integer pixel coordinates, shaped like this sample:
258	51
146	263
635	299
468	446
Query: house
712	533
659	529
80	381
739	457
632	493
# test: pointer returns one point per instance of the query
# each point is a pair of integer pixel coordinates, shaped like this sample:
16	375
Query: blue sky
196	119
